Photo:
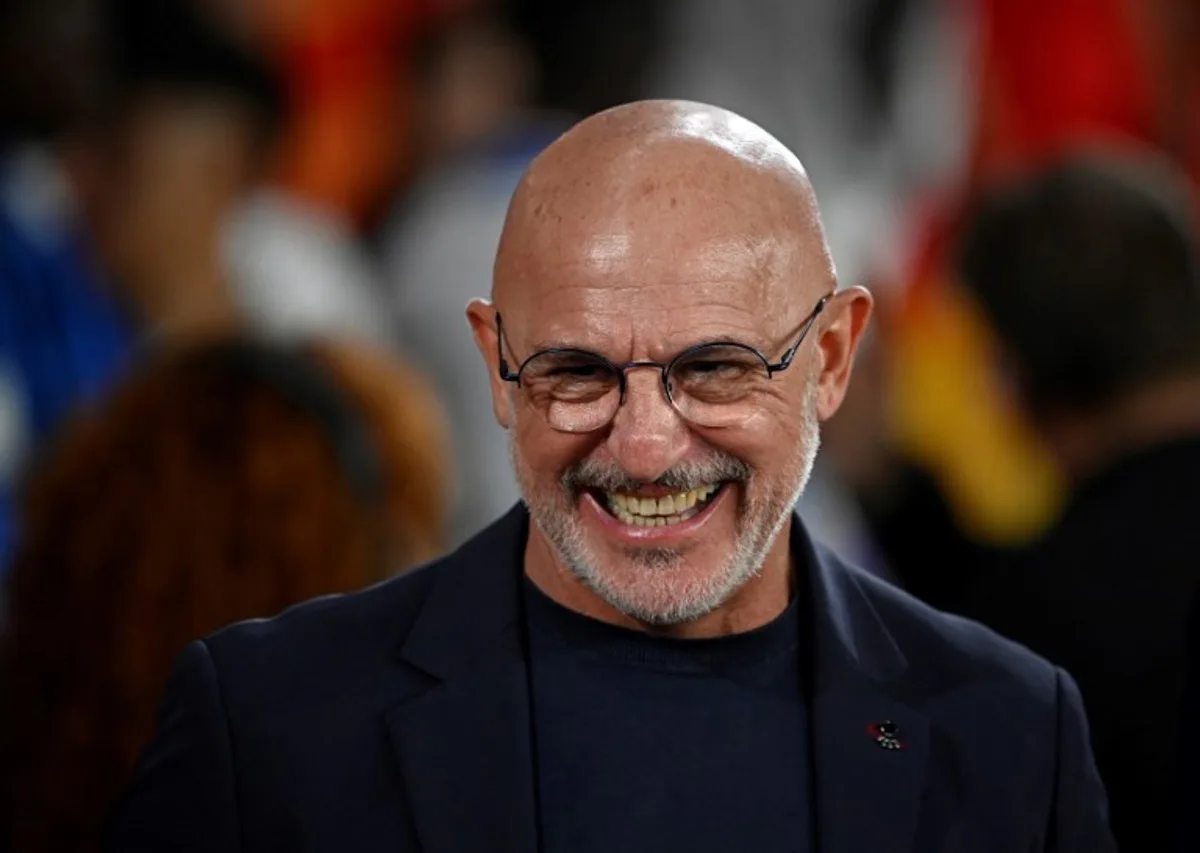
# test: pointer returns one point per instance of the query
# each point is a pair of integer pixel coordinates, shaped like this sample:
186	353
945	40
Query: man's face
722	494
738	486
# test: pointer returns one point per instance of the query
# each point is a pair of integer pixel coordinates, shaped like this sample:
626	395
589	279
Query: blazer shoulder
345	642
943	649
320	638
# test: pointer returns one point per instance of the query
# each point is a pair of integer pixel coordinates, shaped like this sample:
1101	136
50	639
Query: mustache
608	476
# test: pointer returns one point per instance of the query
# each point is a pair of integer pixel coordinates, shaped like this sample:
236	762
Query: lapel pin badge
886	734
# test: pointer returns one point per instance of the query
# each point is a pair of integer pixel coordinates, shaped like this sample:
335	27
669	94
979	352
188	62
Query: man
653	656
1089	272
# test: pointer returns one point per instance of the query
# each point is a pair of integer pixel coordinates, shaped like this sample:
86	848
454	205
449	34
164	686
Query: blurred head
222	483
1089	273
474	75
645	231
185	129
48	64
592	54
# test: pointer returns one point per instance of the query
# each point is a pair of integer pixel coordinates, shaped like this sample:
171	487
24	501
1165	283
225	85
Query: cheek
545	453
768	443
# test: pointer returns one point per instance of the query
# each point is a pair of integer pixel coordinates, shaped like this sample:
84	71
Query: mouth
658	510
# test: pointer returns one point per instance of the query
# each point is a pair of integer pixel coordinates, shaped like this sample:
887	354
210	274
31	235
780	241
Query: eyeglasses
711	384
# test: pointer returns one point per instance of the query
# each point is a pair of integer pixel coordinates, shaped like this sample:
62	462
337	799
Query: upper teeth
665	505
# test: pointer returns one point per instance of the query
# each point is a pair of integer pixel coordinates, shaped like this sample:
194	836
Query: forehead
667	255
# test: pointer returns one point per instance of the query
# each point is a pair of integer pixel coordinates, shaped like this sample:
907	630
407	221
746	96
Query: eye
569	376
713	369
719	373
719	362
578	371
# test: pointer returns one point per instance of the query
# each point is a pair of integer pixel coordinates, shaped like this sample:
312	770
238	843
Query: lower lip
665	535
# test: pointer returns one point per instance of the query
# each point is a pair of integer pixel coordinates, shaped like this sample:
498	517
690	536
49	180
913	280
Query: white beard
662	596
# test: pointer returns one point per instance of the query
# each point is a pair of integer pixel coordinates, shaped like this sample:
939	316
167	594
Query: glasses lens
718	385
575	391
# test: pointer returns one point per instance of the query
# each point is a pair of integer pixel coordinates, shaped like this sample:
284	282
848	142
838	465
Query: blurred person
184	220
63	337
1089	274
183	134
591	54
220	482
1042	77
649	653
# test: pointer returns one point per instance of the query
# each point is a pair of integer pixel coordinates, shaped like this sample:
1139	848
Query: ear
846	318
481	314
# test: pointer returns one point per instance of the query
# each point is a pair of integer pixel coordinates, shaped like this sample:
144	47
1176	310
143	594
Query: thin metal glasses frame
665	368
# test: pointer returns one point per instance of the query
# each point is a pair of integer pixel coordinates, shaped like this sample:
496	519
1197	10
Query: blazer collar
465	744
477	591
475	599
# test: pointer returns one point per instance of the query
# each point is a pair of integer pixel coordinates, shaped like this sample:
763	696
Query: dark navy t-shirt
646	743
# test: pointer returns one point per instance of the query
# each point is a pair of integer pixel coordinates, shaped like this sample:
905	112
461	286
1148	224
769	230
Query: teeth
658	512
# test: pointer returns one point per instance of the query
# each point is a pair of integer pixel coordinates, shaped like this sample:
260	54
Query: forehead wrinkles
664	236
681	183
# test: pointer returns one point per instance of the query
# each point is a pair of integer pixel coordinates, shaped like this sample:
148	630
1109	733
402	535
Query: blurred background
237	238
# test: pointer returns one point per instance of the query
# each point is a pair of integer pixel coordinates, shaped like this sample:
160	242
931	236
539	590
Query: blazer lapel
867	795
465	744
464	748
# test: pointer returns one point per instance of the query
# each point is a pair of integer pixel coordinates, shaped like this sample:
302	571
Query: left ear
846	318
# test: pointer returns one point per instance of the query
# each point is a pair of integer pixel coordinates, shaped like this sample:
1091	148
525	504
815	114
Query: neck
1163	412
760	600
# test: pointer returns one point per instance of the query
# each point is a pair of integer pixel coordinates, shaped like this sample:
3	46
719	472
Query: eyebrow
551	345
543	345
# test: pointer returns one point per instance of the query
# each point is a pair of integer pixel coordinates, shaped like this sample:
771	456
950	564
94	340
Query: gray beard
671	601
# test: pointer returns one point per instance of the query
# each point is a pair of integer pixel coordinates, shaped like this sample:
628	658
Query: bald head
665	192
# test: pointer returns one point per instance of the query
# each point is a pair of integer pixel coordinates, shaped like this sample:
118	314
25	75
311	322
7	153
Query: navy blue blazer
397	719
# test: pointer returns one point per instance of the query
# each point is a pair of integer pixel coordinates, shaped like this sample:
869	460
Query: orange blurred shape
347	66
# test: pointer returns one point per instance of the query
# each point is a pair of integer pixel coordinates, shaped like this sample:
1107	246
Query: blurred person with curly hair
223	482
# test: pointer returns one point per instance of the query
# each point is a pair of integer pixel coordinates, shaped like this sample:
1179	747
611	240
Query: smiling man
649	653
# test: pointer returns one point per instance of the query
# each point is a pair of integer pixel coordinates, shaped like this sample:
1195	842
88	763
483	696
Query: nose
647	436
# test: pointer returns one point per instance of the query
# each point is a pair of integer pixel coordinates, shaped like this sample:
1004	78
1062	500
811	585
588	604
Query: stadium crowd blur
237	238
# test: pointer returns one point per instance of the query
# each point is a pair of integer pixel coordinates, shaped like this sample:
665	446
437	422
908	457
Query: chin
662	586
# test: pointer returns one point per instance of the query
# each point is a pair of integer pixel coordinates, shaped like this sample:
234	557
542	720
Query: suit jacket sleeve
183	796
1080	818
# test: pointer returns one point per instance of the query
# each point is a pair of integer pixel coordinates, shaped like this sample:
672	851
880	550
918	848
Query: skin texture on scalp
642	231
